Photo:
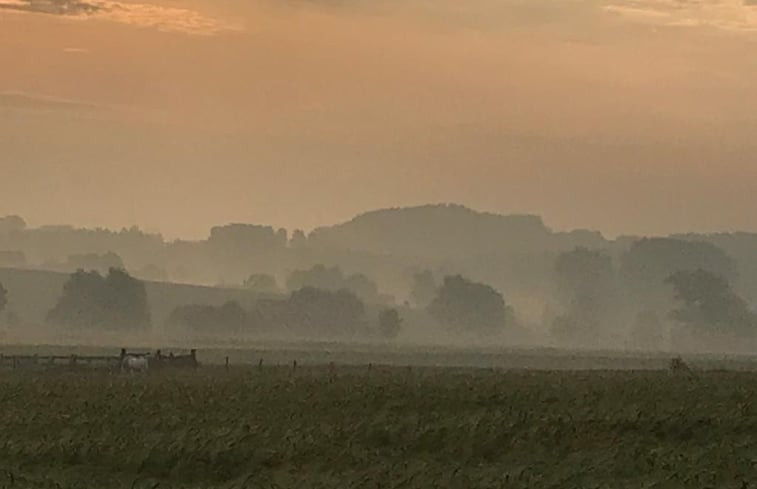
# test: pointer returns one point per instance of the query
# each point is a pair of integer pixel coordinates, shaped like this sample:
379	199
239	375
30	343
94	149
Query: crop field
382	427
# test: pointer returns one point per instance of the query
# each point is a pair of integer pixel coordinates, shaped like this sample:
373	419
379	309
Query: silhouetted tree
298	240
363	287
708	305
116	302
390	323
239	239
11	224
650	261
126	301
332	279
94	261
319	277
424	288
583	272
323	313
463	305
261	283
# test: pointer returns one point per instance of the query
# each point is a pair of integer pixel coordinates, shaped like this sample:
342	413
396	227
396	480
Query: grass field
378	428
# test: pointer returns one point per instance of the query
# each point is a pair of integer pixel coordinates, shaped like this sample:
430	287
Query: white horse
132	363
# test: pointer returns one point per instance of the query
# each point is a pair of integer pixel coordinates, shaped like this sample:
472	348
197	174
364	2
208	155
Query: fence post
227	364
260	364
294	365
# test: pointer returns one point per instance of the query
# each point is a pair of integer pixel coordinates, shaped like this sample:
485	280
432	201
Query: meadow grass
322	427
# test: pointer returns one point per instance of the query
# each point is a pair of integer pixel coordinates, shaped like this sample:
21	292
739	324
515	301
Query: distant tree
126	301
282	237
238	239
3	297
230	318
11	224
298	240
322	313
708	304
318	277
390	323
261	283
583	272
363	287
424	288
82	303
332	279
650	261
115	302
94	261
463	305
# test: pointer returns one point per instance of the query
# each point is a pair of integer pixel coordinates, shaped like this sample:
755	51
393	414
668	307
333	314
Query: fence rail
157	360
16	361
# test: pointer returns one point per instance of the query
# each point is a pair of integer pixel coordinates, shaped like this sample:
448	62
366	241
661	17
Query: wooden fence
26	361
156	360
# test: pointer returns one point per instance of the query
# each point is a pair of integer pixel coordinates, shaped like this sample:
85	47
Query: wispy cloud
168	19
17	100
76	50
58	7
729	15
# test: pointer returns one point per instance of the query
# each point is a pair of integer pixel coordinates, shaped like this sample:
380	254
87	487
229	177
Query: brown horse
678	365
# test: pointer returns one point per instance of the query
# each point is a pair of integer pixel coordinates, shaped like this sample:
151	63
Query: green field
377	428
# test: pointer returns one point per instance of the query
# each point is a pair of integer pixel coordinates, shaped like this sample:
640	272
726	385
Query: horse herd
142	362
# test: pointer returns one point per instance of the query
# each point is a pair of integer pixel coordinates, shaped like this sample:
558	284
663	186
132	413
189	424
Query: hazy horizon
623	116
206	233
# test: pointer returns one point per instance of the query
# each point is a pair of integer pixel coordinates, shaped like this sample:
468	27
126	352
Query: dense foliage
390	323
262	283
325	314
708	305
465	306
114	302
333	279
423	288
650	261
307	313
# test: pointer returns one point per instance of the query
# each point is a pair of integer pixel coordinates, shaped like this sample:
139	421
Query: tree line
686	284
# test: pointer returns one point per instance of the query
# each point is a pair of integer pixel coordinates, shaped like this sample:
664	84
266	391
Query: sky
625	116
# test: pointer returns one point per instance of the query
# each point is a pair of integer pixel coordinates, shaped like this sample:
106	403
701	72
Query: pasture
351	426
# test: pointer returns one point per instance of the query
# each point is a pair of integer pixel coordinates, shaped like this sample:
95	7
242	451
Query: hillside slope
446	231
31	293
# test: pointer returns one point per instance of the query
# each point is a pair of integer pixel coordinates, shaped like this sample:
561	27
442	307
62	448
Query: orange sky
632	116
